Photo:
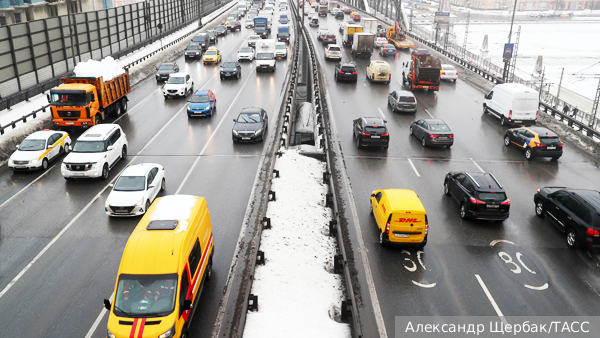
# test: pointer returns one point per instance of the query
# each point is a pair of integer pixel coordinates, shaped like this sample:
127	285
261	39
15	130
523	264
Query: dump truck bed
109	91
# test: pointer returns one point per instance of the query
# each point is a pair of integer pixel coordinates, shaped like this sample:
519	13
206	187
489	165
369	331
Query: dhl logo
408	220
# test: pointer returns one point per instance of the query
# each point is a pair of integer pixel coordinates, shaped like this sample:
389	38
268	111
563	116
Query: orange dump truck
85	101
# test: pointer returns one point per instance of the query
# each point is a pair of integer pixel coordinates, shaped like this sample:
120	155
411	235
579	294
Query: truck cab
75	104
265	55
283	34
261	27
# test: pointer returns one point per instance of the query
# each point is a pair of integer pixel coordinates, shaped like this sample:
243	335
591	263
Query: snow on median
298	295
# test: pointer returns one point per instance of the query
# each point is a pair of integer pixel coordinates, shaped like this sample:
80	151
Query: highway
76	248
449	277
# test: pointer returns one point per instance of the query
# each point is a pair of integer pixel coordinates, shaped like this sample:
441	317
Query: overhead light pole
507	59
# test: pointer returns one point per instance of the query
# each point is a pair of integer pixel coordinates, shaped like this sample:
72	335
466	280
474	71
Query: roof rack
476	183
500	185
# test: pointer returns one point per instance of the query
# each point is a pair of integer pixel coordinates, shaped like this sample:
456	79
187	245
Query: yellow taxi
166	261
212	55
536	141
400	217
231	18
38	149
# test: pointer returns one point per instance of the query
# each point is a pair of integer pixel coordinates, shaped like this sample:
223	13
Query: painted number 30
515	267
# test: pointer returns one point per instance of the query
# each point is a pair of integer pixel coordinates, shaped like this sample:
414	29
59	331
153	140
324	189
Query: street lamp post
506	60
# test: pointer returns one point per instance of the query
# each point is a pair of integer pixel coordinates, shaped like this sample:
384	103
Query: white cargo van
513	104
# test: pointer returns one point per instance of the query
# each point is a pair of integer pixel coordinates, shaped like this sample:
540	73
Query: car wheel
463	211
506	140
485	110
539	208
97	120
528	154
124	153
123	105
45	163
147	206
105	171
239	75
446	189
162	185
357	142
454	80
117	109
502	121
423	142
221	78
209	270
336	78
67	148
571	237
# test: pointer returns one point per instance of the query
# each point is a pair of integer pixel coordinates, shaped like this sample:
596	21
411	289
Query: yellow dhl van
165	263
400	216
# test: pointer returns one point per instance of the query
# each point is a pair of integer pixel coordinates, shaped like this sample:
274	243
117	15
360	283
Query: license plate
77	174
20	167
373	136
401	235
493	206
69	123
382	74
442	137
121	211
551	148
518	121
245	138
425	87
264	66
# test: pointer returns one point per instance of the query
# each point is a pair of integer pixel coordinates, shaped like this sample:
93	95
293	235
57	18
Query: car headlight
10	161
34	161
94	165
235	132
109	334
258	132
139	203
168	334
106	204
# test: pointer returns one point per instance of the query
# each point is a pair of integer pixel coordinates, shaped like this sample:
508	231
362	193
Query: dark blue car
202	103
388	50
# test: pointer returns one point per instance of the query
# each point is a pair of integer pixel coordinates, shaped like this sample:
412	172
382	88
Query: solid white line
477	165
381	112
98	320
427	111
414	168
489	296
161	130
27	186
212	135
362	249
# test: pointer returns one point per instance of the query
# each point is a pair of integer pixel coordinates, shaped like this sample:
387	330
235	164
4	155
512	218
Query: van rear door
407	227
525	106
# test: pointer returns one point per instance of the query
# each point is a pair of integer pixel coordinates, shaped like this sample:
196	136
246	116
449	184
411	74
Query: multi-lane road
449	276
77	248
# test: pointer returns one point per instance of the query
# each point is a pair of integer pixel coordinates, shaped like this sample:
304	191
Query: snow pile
108	68
298	296
305	123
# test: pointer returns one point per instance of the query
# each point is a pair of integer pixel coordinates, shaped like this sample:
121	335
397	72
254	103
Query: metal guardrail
56	81
349	308
493	73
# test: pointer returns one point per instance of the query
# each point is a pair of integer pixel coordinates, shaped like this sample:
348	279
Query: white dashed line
489	296
381	112
414	168
427	111
98	320
477	165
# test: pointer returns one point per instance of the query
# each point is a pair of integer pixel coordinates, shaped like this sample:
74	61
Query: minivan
400	217
513	104
166	261
379	71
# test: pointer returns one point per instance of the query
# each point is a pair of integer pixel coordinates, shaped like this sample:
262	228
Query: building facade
119	3
528	5
15	11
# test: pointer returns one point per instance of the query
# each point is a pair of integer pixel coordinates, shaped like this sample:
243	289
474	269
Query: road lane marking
381	112
496	241
427	286
538	288
361	243
27	186
489	296
414	168
478	167
98	320
212	135
427	111
419	253
161	130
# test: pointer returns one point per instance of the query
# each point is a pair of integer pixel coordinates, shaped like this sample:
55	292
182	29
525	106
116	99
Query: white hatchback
379	42
178	84
135	190
246	53
38	149
333	52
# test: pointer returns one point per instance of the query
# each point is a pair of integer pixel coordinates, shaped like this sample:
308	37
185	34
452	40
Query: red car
356	17
233	25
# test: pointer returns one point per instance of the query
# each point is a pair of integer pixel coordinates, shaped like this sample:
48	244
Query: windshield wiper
124	312
246	121
254	120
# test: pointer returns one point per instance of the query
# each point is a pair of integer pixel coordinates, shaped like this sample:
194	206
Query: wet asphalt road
62	291
445	282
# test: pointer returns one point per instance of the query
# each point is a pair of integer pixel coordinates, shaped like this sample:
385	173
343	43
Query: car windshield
550	141
264	56
32	145
284	33
246	50
449	68
439	127
68	99
192	47
492	196
334	49
200	38
145	295
407	99
229	65
281	47
249	21
375	130
389	46
166	67
88	147
176	80
210	33
249	118
348	69
211	52
130	183
202	98
220	28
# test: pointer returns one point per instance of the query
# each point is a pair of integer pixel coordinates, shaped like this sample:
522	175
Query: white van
513	104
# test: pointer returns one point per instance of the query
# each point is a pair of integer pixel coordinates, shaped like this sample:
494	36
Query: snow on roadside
298	295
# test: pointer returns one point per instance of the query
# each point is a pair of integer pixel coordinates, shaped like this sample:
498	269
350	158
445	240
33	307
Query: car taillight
456	73
507	202
354	73
476	201
372	74
390	76
560	145
387	228
510	114
539	145
386	134
365	134
451	136
433	136
340	72
590	232
443	73
537	112
426	228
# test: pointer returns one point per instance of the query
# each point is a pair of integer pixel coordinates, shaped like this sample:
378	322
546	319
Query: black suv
575	211
345	71
479	195
371	131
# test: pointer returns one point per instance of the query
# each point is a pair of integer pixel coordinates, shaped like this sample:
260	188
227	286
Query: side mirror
188	100
111	185
234	120
48	97
50	146
17	146
107	304
187	304
372	195
150	187
109	148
